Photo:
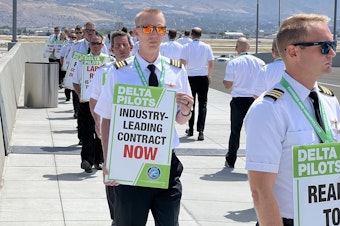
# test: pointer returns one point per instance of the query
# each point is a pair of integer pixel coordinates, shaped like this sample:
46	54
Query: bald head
242	45
196	32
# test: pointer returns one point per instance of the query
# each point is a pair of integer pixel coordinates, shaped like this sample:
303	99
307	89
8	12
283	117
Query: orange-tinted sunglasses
148	29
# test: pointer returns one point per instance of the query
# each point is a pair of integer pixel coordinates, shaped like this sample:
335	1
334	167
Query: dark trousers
91	150
98	157
286	222
199	86
62	75
110	196
68	94
132	203
238	110
75	101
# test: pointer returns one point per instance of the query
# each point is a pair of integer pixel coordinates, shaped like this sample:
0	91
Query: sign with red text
316	171
90	65
141	132
57	48
49	49
68	81
53	48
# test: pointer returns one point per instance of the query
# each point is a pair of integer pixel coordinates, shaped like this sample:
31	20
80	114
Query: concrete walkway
44	185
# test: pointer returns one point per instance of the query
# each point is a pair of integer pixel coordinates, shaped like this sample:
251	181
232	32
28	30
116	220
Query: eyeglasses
148	29
325	46
96	43
90	30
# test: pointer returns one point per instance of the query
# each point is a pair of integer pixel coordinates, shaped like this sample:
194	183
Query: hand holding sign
185	102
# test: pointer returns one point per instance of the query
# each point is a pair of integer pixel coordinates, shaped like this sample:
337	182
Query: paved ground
44	185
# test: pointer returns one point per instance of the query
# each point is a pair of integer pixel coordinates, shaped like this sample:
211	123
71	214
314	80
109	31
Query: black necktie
153	81
314	96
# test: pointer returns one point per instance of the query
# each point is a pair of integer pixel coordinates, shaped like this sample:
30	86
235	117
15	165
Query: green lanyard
326	137
142	77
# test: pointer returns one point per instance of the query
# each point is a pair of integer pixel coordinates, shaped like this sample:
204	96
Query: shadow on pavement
247	215
226	174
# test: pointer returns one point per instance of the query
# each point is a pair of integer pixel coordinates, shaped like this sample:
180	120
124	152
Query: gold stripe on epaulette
175	63
274	94
325	90
120	64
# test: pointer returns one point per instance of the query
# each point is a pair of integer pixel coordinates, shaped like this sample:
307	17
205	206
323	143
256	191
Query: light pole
279	15
14	26
257	26
334	28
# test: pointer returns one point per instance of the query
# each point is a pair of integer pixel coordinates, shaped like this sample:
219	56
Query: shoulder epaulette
274	94
176	63
325	90
120	64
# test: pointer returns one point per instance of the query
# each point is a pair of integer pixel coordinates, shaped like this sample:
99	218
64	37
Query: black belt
286	222
242	97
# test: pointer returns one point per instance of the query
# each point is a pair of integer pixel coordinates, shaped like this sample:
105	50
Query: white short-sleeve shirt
197	54
243	71
274	126
268	76
184	40
171	49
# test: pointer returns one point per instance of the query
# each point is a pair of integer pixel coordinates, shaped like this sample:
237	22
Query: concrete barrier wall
12	71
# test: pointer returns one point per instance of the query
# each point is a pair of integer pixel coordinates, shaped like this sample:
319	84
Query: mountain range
212	15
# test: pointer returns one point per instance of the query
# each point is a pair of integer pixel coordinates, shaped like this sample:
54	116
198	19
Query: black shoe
226	164
75	115
230	160
98	166
85	165
80	142
67	99
200	136
189	132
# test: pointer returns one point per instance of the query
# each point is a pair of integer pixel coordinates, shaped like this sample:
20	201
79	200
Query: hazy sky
290	7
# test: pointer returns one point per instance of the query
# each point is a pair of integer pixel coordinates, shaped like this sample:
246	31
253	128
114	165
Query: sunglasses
90	30
73	37
79	32
148	29
96	43
326	46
